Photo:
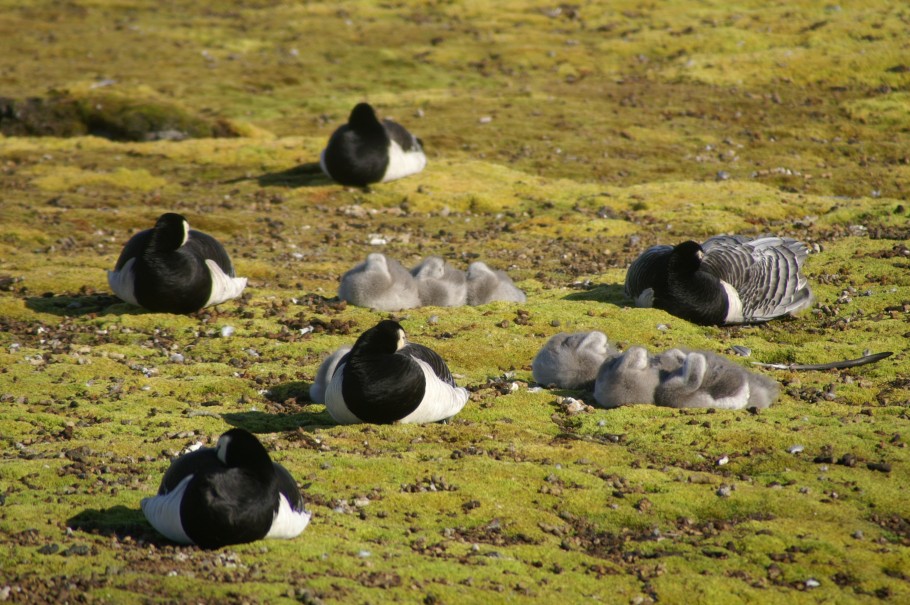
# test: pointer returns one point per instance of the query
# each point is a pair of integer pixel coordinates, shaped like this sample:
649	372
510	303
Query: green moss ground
563	140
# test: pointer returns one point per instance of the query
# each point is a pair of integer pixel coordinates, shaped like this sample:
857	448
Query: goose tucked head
384	338
363	117
686	257
171	231
240	448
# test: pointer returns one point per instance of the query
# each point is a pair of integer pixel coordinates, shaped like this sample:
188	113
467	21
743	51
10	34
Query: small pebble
741	350
177	358
227	331
722	461
812	583
858	535
663	327
724	491
795	449
722	175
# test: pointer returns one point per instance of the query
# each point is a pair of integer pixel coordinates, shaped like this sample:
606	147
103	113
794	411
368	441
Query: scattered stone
847	460
795	449
882	467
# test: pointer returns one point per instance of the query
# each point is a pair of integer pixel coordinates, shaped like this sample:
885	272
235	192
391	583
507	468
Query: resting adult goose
384	379
486	285
571	361
230	494
439	284
706	380
171	268
380	283
367	150
726	280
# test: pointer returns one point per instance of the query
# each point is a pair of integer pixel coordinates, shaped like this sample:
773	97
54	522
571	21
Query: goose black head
171	231
384	338
363	117
240	448
686	257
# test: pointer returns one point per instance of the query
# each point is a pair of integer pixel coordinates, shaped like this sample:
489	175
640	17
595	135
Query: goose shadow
117	521
80	304
304	175
608	293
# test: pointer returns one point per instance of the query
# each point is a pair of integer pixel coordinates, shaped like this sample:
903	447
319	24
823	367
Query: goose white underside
288	523
734	305
645	299
402	163
122	282
163	512
224	287
685	388
440	400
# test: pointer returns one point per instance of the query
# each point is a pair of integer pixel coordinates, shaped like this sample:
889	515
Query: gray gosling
486	285
706	380
439	284
379	283
632	378
571	361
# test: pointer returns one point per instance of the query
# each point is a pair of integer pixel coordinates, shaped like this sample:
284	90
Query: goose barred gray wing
432	358
765	273
208	247
401	135
644	270
133	248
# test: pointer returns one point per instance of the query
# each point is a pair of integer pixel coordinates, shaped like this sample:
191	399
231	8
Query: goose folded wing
441	400
645	270
431	358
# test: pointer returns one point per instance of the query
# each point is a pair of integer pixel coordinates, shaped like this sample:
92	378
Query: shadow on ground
266	422
610	293
117	520
77	305
305	175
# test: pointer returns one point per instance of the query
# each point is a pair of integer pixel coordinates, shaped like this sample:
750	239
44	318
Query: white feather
163	512
334	400
288	523
322	164
645	299
440	399
735	305
403	163
224	287
122	282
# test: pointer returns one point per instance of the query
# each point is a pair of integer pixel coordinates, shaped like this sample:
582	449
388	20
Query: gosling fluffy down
571	361
380	283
